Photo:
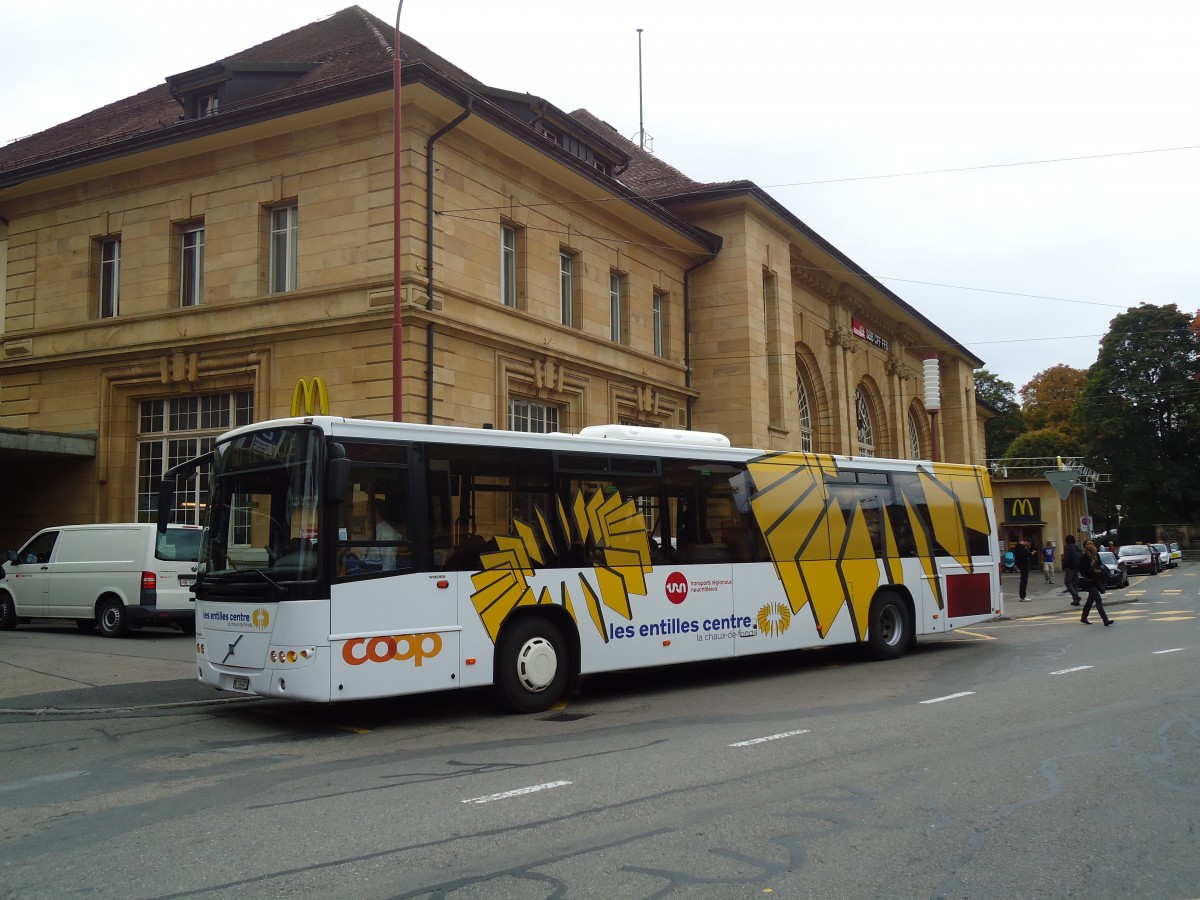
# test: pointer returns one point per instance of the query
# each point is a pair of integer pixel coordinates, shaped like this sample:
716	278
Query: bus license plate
241	683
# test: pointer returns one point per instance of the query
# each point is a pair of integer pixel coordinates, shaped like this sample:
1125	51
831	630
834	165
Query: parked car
1118	576
114	577
1138	558
1176	553
1164	556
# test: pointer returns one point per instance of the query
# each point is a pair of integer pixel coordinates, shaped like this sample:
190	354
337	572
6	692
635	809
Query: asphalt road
1031	756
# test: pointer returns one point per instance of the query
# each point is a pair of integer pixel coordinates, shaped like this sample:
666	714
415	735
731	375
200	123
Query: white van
116	577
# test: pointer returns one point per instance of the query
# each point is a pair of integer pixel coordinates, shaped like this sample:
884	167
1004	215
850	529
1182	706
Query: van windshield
179	544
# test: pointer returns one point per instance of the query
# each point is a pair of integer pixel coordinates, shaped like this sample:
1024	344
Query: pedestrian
1048	562
1071	554
1023	559
1092	576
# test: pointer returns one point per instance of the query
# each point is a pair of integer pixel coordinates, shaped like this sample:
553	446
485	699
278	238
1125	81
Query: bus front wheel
890	628
531	665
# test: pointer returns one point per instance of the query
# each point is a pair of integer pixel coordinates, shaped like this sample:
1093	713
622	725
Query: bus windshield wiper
271	581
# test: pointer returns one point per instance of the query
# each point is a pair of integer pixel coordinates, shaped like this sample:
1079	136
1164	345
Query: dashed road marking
519	792
949	697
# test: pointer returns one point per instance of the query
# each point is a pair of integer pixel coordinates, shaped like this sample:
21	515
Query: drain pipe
429	253
687	333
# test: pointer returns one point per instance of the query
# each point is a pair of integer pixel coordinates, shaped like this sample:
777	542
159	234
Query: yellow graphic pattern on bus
618	529
824	553
828	562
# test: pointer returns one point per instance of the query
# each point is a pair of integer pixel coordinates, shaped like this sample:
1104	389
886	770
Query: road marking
1172	591
976	634
949	697
1172	650
504	795
39	780
1072	669
769	737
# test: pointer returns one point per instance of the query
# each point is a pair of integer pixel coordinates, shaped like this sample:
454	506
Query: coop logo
417	647
677	588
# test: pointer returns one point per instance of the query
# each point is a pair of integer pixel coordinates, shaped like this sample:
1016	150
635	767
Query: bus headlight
292	656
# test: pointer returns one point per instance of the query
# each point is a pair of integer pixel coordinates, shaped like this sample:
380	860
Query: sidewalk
1049	598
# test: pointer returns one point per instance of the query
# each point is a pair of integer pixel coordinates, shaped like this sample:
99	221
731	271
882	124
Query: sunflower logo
774	619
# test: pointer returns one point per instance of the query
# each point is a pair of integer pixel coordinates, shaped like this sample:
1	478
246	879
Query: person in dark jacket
1023	558
1071	554
1092	576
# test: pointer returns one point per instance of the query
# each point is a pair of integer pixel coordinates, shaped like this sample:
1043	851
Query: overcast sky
828	106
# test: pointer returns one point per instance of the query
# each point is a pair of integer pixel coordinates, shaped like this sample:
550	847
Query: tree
1000	395
1140	413
1046	443
1049	398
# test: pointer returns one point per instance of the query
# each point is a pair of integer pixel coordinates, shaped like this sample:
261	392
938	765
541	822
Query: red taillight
149	581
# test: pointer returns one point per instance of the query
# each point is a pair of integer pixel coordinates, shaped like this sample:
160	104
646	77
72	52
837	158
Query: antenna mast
644	140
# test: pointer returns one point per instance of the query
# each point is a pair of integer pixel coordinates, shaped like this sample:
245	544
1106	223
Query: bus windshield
263	509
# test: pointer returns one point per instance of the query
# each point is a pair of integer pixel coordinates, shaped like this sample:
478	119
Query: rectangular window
284	246
191	265
171	431
527	415
772	351
616	307
566	287
110	277
660	323
508	265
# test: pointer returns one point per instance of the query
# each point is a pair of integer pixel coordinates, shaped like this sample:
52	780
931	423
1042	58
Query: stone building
177	262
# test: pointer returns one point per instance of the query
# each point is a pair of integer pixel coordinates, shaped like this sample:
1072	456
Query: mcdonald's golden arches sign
1023	509
309	398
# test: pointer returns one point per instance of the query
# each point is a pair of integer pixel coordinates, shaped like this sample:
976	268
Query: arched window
914	435
866	427
806	430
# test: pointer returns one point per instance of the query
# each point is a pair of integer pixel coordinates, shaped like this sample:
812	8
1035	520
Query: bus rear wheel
531	665
890	627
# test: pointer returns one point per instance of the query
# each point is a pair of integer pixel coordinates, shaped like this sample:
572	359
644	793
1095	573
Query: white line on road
769	737
39	780
1072	669
1172	650
532	789
949	697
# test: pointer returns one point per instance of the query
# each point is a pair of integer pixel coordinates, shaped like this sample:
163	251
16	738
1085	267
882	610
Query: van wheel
531	665
889	629
188	627
110	616
87	626
8	612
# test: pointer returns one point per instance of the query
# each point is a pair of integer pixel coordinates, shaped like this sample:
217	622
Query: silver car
1164	556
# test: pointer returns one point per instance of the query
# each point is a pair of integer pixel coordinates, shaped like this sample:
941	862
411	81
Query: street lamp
397	263
933	400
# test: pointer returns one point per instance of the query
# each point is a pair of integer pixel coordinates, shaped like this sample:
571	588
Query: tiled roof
646	174
347	46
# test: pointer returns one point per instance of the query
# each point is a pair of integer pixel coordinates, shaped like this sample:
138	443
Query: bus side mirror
337	480
166	503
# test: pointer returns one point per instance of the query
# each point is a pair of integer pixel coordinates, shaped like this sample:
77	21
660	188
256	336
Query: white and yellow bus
346	559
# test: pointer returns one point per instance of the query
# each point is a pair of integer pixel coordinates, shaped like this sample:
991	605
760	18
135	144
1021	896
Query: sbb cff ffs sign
1024	509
